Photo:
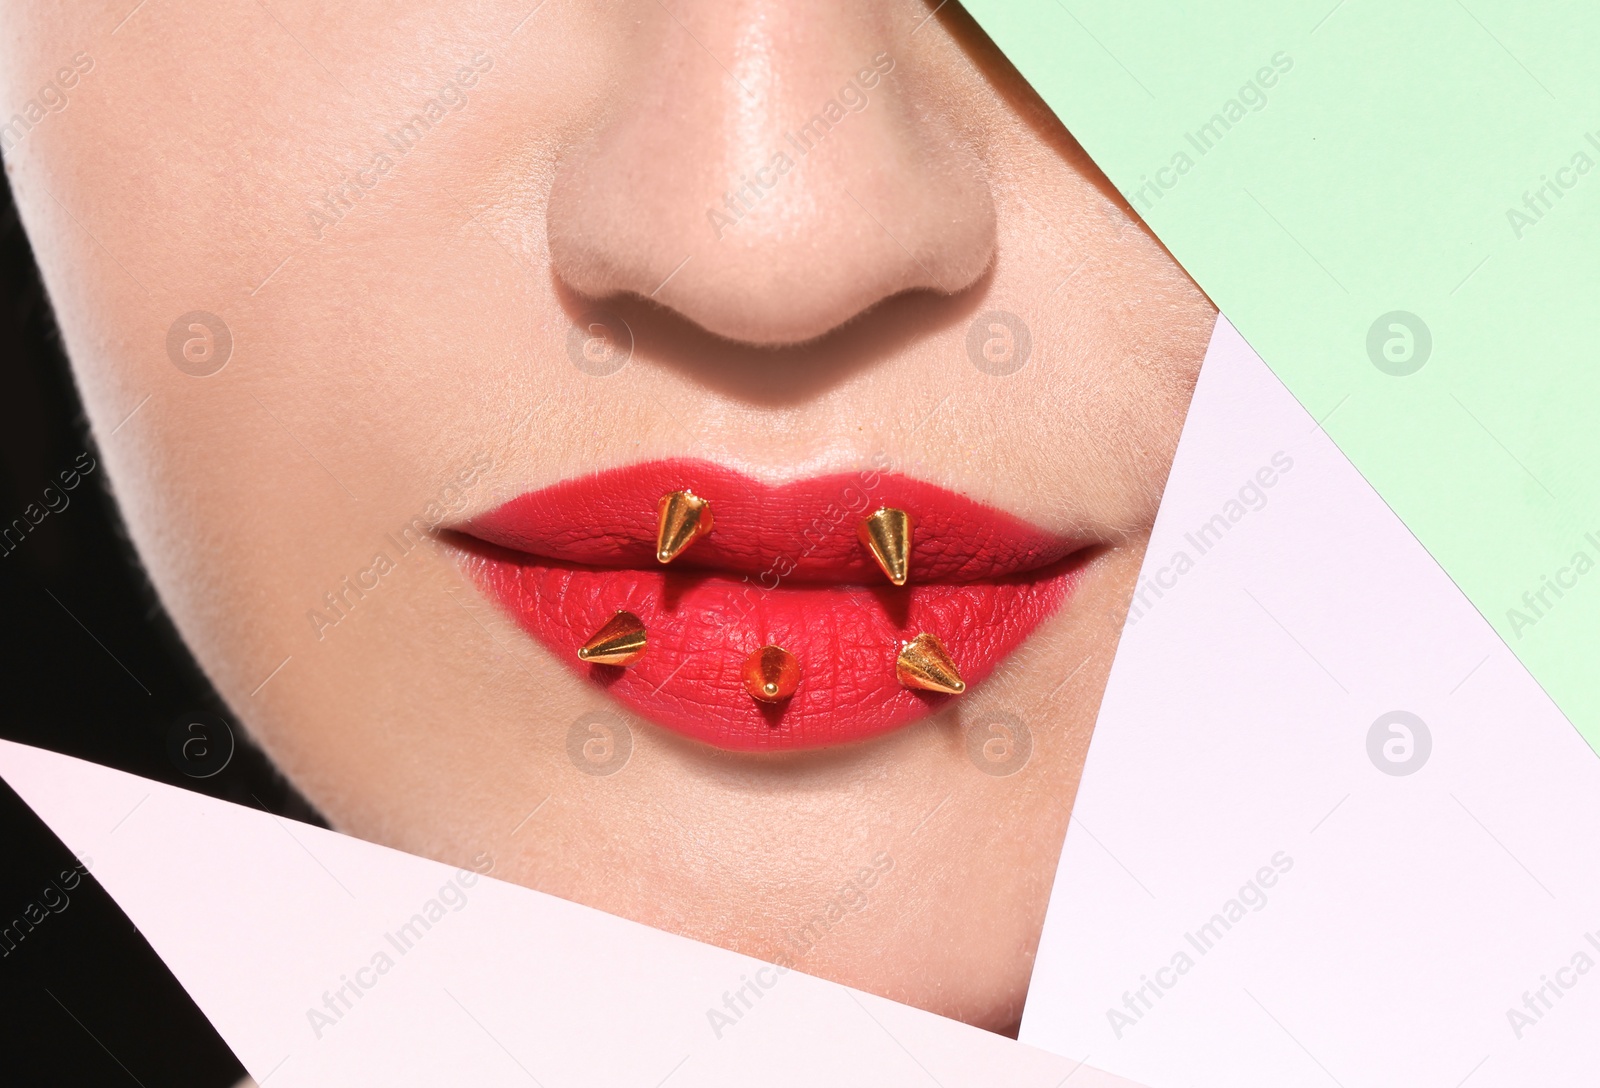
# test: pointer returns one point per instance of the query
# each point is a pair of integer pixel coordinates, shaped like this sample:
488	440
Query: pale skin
385	342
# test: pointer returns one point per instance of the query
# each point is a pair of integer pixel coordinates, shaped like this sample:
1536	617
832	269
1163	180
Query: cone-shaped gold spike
771	674
682	518
886	533
620	642
924	663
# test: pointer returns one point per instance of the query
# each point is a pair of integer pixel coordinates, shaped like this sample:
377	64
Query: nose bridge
766	170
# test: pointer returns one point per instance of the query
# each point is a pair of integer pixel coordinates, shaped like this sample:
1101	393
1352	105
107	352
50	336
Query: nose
772	168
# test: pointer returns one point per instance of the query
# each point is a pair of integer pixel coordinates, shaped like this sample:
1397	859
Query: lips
783	566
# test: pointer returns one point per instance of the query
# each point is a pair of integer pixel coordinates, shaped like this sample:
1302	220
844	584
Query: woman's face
803	259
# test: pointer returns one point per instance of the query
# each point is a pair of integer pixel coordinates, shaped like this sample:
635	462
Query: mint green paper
1436	158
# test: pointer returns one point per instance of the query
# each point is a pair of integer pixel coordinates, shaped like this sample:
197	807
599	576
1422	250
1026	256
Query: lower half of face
425	362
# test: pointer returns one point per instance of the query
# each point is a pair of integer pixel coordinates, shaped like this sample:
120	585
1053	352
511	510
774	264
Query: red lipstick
783	566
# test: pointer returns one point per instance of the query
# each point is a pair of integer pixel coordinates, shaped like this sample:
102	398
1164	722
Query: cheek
1118	331
359	364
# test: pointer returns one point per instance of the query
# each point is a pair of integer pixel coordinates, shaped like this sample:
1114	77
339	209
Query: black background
92	668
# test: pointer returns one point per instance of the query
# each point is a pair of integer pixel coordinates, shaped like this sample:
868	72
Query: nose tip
766	190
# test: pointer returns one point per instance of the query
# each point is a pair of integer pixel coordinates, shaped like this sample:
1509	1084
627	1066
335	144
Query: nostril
775	374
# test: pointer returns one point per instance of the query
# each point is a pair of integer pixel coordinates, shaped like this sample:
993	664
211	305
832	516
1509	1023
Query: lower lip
563	561
703	626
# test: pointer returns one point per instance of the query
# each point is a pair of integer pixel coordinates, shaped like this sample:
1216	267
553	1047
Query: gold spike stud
682	518
886	533
620	642
771	674
925	664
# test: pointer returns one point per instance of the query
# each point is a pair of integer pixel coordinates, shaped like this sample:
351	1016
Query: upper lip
796	532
